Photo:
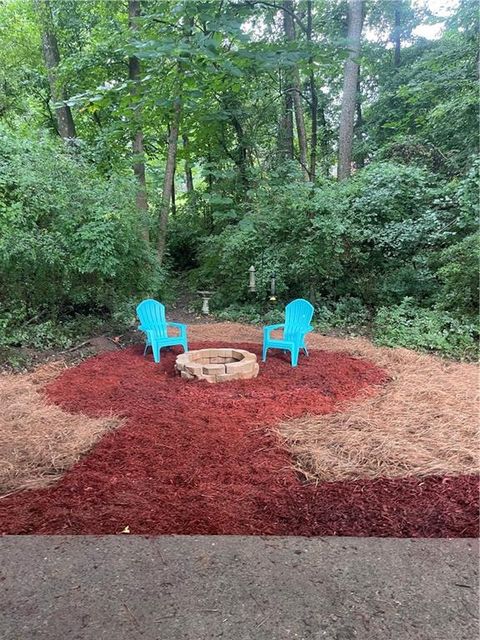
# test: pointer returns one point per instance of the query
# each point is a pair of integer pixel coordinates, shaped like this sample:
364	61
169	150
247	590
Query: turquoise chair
155	326
298	315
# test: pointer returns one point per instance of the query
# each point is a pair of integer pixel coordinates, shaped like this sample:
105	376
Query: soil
195	458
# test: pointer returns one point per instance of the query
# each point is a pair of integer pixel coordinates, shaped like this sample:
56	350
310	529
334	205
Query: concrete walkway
237	588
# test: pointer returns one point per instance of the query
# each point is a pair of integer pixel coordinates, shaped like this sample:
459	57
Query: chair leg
156	352
264	352
294	357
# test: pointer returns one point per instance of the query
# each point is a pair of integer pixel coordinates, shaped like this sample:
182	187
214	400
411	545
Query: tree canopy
145	141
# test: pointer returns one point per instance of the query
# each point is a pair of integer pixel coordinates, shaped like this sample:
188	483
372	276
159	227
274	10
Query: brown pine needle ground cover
38	441
423	422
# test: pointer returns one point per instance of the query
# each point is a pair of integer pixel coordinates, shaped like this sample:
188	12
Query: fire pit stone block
217	365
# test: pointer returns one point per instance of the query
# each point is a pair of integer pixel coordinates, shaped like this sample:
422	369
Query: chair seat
281	344
167	340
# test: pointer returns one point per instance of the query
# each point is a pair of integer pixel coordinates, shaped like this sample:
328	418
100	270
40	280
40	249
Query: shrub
365	238
70	240
458	273
251	313
347	313
407	325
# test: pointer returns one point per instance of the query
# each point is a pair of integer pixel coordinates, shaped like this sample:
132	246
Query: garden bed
203	459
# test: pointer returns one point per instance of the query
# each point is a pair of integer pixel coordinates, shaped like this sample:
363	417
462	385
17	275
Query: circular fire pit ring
217	365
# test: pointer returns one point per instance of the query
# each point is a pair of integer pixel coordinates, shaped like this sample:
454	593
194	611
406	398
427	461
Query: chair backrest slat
298	315
151	314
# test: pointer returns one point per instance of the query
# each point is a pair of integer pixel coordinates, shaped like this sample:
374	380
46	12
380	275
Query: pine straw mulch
423	422
38	440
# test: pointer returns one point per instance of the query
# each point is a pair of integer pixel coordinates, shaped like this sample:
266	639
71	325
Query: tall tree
396	36
294	88
358	129
313	100
173	133
51	54
285	123
169	169
350	80
134	75
188	166
174	195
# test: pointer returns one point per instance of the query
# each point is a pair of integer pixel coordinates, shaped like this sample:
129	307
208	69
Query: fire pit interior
217	365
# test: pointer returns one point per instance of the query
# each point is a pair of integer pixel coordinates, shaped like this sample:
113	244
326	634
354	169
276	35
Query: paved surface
236	588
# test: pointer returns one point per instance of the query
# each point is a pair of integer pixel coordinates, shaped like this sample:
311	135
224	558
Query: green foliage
373	238
456	265
458	274
427	111
391	233
187	231
272	236
253	313
407	325
397	240
346	314
70	240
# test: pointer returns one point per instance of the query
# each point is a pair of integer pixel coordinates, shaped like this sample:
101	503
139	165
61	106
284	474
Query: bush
458	274
407	325
251	313
347	313
70	241
370	238
391	233
279	234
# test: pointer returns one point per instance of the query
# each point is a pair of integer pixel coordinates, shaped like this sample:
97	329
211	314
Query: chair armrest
272	327
178	325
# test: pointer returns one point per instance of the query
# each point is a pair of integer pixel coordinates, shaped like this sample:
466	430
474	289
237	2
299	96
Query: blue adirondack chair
298	315
155	326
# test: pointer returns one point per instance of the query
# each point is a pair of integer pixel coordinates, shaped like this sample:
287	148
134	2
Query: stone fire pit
217	365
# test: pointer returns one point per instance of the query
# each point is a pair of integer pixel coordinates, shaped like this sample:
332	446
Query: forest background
151	148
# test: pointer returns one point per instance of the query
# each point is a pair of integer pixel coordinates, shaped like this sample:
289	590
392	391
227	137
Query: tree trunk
294	88
208	217
174	200
324	137
314	137
51	54
350	78
170	167
319	135
168	179
285	127
242	151
313	102
300	122
134	75
396	35
360	160
188	168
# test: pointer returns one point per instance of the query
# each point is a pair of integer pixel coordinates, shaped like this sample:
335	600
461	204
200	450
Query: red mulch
195	458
